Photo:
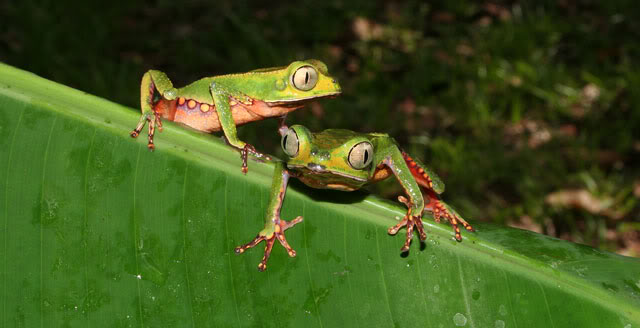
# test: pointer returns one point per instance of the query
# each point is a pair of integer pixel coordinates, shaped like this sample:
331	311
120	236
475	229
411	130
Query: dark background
527	109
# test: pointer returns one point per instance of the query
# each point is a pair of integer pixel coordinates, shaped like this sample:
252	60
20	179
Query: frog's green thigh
415	203
441	210
221	96
432	186
221	100
274	227
152	81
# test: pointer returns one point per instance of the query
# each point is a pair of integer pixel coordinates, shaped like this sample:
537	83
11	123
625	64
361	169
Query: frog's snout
316	167
337	86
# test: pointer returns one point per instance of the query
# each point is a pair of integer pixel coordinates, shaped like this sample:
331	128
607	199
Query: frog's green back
333	138
275	84
268	69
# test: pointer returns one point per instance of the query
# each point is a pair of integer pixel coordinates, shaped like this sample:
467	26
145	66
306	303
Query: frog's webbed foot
410	221
442	210
270	236
153	119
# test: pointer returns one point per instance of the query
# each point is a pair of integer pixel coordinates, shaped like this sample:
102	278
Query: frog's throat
296	101
308	171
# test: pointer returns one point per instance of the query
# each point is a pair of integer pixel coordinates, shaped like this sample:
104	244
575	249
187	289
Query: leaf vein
544	294
506	278
135	238
306	256
44	169
464	292
384	282
6	219
346	264
86	224
226	228
184	247
424	296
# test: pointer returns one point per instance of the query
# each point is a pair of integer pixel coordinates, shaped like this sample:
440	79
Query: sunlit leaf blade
98	231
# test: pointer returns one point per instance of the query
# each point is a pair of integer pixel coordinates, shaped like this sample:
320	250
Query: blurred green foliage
528	110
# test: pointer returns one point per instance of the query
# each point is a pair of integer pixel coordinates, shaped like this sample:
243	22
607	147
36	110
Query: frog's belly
327	180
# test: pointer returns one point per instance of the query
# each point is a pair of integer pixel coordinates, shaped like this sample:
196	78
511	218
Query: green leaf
98	231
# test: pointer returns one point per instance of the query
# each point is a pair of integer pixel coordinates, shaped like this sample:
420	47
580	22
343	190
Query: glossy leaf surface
98	231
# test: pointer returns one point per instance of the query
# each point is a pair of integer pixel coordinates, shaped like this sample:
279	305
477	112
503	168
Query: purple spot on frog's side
192	107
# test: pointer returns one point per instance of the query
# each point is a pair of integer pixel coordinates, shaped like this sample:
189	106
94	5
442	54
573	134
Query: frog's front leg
221	95
432	186
410	221
155	85
415	203
274	227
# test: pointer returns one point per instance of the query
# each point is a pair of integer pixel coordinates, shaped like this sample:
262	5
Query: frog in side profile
223	102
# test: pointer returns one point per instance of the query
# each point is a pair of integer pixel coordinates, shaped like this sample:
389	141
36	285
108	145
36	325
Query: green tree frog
346	160
222	102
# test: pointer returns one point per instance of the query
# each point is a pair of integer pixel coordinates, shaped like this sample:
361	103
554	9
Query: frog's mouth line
296	102
320	170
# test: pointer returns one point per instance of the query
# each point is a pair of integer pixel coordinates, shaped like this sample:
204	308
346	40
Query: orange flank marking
242	114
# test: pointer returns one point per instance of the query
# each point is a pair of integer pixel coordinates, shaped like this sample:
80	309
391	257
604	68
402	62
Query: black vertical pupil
284	142
306	77
366	156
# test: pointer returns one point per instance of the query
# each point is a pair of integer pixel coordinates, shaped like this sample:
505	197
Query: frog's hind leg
441	210
250	149
244	154
431	186
155	88
423	175
222	100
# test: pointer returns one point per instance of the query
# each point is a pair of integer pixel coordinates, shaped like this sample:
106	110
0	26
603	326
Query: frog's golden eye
305	78
290	143
361	155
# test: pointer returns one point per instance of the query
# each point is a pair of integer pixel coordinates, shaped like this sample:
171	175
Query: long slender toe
270	238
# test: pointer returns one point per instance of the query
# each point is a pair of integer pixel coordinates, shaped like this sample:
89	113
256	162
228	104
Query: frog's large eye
290	143
305	78
361	155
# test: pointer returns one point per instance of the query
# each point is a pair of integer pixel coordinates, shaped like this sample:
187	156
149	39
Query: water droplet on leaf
459	319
